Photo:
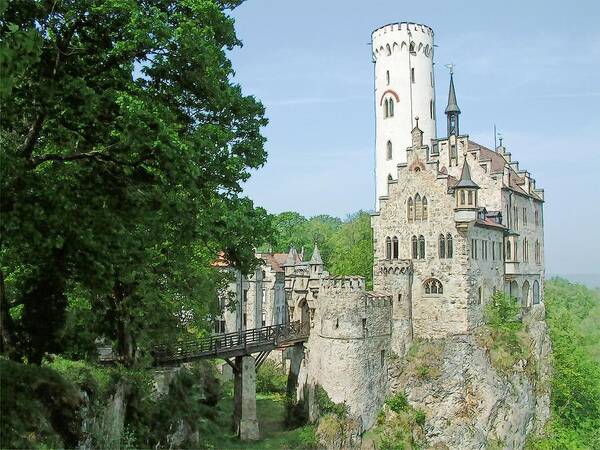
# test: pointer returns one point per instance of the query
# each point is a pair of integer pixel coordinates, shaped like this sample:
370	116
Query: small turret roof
465	177
452	104
316	256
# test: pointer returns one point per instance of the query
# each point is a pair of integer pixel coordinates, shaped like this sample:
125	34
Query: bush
39	408
399	425
397	403
327	406
271	378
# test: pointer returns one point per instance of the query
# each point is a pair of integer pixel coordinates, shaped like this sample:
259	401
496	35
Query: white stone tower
404	89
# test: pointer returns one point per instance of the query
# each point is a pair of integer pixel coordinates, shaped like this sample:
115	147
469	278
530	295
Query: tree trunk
126	348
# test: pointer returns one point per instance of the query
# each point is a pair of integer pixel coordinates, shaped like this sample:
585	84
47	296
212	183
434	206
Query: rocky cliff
473	394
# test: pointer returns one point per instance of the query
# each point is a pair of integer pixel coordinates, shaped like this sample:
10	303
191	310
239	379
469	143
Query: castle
454	222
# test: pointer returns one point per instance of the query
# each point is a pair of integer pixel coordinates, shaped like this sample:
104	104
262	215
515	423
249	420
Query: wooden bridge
257	340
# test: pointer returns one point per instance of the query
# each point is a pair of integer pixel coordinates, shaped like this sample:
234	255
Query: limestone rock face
468	403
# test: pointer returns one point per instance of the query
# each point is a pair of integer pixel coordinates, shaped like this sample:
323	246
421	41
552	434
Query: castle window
411	48
424	208
474	248
431	109
412	74
395	248
388	248
516	250
508	251
418	208
399	297
386	109
387	76
390	177
389	150
410	209
470	196
524	217
264	319
442	246
536	292
480	295
449	247
462	197
388	50
337	323
391	107
433	286
414	247
421	247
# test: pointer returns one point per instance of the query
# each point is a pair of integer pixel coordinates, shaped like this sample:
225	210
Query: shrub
271	378
397	403
327	406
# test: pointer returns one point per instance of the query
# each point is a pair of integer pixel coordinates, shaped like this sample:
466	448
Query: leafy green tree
124	143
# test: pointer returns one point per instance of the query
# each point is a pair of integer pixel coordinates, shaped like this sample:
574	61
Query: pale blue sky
532	67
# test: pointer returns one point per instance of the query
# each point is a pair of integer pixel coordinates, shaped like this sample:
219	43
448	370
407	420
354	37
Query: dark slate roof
452	104
465	178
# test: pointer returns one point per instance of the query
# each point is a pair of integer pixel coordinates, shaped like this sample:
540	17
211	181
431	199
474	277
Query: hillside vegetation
572	313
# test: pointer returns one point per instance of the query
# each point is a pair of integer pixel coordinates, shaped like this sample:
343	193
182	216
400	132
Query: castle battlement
352	283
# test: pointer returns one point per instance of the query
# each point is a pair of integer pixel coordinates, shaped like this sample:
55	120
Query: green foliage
399	425
397	403
575	398
327	406
504	335
124	145
39	408
98	382
271	378
346	246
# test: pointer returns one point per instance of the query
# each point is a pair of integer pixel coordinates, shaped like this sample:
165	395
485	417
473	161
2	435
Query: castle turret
465	192
404	89
316	262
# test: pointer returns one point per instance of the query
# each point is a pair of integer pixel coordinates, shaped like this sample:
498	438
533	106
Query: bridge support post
244	393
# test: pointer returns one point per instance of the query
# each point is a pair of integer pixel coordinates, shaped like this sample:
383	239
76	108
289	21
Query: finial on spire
450	67
417	121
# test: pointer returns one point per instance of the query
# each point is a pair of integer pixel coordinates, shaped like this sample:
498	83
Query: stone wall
349	346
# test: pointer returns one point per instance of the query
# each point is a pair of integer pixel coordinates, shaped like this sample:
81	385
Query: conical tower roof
452	104
465	177
316	256
292	257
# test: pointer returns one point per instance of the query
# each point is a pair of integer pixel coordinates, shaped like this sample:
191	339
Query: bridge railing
228	342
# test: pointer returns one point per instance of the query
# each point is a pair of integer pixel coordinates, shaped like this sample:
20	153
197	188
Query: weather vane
450	67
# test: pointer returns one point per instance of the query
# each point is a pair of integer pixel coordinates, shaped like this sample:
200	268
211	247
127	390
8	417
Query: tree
124	143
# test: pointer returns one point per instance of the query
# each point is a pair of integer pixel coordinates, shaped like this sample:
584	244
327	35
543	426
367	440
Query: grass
270	410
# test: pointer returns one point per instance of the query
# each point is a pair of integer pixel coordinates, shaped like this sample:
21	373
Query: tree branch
92	155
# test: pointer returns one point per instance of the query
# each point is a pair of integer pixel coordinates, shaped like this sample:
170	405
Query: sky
531	67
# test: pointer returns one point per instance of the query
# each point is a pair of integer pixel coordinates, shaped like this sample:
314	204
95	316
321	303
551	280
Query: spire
465	177
452	104
292	257
452	110
316	256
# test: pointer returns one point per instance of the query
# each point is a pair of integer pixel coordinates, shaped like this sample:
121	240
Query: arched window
411	48
508	252
388	50
462	197
525	294
433	286
388	248
391	107
418	208
395	248
389	150
449	248
425	208
536	292
390	177
387	76
414	247
516	250
470	194
442	246
410	210
386	108
421	247
431	109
